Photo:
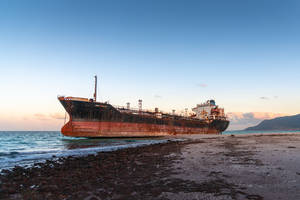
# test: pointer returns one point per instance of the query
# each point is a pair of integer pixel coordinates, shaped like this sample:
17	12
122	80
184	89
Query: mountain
279	123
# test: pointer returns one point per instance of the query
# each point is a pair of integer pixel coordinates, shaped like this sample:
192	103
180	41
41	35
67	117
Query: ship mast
95	93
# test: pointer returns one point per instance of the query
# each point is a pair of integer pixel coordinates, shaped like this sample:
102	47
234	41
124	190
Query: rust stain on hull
121	129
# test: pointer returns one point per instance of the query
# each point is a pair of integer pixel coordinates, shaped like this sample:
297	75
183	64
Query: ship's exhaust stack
95	93
128	105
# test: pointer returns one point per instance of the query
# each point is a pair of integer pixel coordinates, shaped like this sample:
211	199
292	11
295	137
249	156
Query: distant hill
279	123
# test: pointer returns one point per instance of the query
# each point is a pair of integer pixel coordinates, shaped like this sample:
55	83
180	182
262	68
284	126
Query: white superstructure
209	109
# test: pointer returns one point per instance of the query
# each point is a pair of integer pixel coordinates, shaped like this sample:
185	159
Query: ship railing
123	108
160	114
149	112
214	117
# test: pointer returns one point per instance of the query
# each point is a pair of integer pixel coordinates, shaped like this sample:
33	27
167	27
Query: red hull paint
121	129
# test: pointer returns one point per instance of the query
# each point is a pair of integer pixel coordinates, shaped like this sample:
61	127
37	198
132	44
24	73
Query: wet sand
203	167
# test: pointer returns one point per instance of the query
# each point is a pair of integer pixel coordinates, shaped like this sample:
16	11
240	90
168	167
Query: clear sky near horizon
172	54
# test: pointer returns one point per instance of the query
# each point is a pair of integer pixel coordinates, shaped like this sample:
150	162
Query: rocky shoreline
223	167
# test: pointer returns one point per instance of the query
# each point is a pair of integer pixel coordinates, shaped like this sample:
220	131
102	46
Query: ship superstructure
208	110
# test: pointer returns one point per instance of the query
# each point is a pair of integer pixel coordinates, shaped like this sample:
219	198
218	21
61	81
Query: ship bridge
208	110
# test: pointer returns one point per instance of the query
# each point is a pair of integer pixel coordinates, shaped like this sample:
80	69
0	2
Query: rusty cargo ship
89	118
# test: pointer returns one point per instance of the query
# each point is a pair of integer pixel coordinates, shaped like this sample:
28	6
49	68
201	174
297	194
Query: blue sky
172	54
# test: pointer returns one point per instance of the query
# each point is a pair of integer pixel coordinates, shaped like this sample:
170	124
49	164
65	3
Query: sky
171	54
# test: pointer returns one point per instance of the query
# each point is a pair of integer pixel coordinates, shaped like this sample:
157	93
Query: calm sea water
258	132
23	148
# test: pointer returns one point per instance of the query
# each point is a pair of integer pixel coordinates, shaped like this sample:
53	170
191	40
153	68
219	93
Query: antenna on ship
95	93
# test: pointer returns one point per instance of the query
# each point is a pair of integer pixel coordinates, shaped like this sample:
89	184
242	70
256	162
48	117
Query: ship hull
120	129
89	119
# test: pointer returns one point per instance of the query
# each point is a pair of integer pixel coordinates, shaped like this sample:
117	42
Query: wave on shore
24	148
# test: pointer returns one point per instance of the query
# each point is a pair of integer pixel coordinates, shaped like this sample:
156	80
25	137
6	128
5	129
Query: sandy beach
202	167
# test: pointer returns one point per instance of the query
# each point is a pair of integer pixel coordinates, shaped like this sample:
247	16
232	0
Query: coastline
202	167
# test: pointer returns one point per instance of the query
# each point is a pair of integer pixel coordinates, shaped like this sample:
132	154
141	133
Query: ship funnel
128	105
140	105
173	112
95	93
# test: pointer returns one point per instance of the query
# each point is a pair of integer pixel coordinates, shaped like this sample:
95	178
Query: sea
24	148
